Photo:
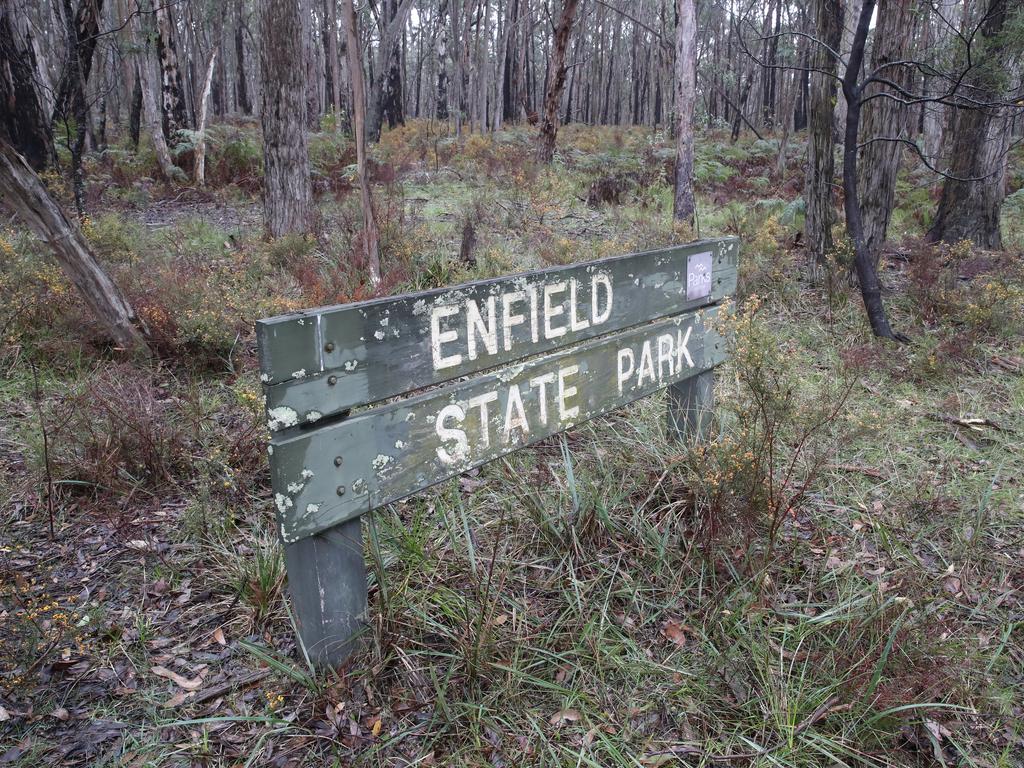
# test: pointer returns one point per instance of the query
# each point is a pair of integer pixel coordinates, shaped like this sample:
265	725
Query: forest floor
835	579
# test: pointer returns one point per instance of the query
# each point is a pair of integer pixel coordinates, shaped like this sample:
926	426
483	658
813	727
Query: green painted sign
325	361
370	402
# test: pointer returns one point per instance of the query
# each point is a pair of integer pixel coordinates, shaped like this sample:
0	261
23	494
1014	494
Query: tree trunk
370	234
23	191
556	82
287	190
135	112
973	192
850	13
172	103
85	23
151	113
241	85
201	122
311	81
23	119
685	205
882	116
442	63
387	91
867	274
820	206
334	69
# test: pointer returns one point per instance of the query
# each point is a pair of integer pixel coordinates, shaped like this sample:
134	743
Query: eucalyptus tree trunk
150	113
684	204
864	264
76	70
334	61
820	213
370	234
241	83
850	13
287	191
175	117
974	189
201	122
386	99
885	117
23	118
556	82
23	191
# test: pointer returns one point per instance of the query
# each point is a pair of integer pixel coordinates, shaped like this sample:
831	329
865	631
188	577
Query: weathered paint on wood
325	476
326	361
327	583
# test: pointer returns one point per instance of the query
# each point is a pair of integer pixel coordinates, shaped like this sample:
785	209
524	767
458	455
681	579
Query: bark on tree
385	89
820	214
24	192
23	118
556	82
151	113
287	190
685	205
882	117
370	235
973	192
442	63
135	111
241	84
85	23
201	122
850	13
867	274
172	99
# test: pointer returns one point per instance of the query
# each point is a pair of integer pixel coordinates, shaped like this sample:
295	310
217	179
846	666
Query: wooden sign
370	402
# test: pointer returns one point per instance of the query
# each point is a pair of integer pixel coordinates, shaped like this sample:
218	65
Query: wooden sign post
370	402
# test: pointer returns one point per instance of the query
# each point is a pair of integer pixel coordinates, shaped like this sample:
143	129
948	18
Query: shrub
113	431
757	474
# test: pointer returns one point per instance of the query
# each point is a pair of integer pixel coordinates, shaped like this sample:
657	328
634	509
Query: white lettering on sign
487	333
468	331
541	383
514	420
439	337
668	350
508	320
507	414
461	450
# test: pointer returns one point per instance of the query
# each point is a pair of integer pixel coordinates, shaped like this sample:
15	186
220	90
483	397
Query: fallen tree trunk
24	192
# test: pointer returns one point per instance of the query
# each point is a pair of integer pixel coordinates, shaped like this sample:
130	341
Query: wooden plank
327	583
326	361
327	475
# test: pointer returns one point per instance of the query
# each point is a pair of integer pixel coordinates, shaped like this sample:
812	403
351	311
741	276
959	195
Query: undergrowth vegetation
833	579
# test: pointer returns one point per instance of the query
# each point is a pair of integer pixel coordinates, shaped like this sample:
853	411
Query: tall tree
172	92
287	190
556	82
387	83
974	189
818	196
684	205
885	115
370	235
151	113
83	23
22	115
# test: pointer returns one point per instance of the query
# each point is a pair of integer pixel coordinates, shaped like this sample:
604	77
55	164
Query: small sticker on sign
698	276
